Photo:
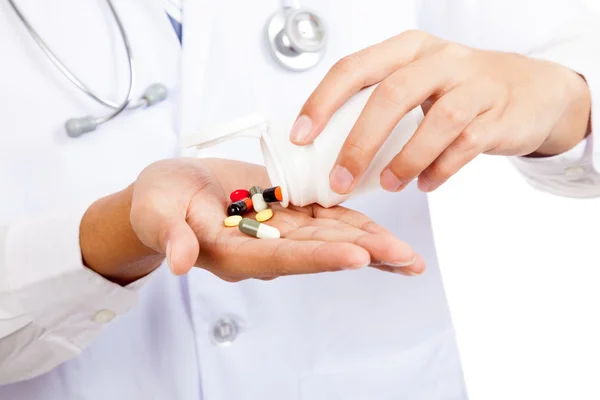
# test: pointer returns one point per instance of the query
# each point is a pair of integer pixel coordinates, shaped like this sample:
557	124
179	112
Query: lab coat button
574	171
224	331
104	316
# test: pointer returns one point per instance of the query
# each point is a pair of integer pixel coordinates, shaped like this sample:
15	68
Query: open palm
313	239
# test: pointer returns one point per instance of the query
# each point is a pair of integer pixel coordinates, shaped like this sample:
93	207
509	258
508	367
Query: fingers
383	247
352	73
417	269
152	215
181	247
472	141
280	257
158	210
404	90
350	217
447	119
161	225
318	256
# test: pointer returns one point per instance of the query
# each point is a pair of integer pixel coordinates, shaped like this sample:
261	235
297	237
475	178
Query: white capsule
267	232
258	201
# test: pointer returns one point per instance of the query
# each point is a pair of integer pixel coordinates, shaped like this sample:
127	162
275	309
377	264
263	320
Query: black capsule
239	207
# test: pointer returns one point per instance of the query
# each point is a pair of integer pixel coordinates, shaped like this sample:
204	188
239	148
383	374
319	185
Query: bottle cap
242	127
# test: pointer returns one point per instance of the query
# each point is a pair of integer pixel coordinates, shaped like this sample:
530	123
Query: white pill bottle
302	172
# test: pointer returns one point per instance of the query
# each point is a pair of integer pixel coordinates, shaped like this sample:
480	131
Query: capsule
256	229
239	207
257	199
239	194
272	195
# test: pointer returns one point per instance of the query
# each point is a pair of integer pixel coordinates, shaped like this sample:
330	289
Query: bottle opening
274	167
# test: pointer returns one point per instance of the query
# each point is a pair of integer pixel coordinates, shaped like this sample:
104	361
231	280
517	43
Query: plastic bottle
302	172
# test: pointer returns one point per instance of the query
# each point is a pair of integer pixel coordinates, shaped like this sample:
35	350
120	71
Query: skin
475	102
175	209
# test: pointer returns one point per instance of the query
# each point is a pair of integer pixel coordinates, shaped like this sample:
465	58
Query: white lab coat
350	335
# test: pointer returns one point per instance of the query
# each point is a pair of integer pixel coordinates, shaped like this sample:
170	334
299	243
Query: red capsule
239	194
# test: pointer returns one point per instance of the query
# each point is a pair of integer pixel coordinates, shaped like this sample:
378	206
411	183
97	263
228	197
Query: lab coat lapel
198	20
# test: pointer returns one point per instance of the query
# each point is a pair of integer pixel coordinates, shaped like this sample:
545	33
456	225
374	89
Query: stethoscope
296	37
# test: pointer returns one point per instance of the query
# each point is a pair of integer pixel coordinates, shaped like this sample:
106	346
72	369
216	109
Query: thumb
181	246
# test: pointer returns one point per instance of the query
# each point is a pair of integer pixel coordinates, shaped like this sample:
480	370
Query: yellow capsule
264	215
233	220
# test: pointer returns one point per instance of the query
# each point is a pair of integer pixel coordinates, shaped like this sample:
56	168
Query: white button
224	331
574	171
104	316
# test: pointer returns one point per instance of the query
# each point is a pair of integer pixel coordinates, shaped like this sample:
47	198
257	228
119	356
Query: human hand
178	207
475	102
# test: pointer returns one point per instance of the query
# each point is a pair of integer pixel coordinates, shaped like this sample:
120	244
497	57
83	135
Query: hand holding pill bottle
302	172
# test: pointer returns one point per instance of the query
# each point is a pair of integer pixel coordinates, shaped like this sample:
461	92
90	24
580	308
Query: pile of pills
244	201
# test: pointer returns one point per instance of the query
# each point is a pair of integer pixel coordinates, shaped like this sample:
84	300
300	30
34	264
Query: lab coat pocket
428	371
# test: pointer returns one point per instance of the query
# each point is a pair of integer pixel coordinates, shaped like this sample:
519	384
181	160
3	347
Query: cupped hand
475	102
179	205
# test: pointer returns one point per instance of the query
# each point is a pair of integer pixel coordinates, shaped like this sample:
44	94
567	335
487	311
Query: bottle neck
274	168
290	167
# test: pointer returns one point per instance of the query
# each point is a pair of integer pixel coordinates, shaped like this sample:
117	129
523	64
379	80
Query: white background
522	275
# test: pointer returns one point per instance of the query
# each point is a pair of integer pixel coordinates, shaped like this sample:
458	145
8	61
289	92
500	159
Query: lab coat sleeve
562	31
51	305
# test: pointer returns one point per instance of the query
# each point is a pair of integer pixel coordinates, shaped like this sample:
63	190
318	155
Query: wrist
574	125
109	246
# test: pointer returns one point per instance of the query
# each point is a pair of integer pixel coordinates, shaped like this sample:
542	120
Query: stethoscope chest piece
297	38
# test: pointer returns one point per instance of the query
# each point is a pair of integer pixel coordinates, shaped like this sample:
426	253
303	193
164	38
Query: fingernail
400	264
424	185
301	129
405	272
341	180
390	182
168	251
357	266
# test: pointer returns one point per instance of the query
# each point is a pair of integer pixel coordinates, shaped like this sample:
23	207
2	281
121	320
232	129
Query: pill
264	215
256	229
239	207
239	194
257	199
233	220
272	195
